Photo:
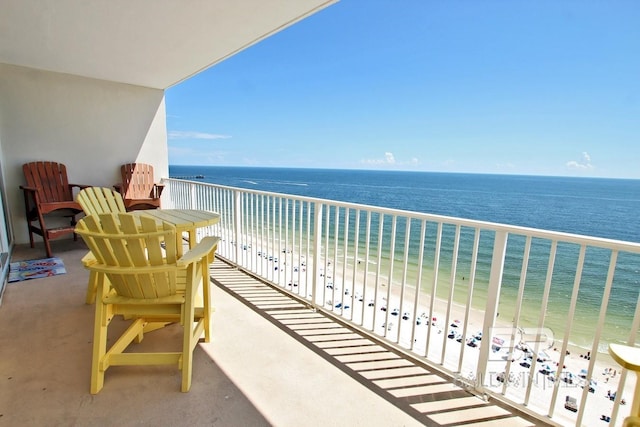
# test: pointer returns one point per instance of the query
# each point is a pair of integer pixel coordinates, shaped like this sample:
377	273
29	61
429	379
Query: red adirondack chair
48	193
138	188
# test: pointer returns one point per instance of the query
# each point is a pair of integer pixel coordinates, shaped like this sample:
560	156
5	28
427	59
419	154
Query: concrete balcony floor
272	361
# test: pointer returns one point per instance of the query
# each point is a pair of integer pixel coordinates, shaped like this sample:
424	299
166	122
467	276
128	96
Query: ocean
597	207
589	206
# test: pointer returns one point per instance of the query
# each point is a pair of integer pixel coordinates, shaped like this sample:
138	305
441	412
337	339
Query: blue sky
507	87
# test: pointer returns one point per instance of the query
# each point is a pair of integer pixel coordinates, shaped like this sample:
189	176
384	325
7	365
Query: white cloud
582	164
178	134
390	160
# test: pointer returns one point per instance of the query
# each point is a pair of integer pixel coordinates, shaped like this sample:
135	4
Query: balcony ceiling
152	43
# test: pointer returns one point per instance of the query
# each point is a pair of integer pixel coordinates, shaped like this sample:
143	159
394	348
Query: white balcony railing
499	308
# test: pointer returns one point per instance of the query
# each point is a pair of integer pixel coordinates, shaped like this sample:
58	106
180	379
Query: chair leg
100	326
74	222
92	287
29	216
206	296
189	339
188	342
47	245
31	242
45	235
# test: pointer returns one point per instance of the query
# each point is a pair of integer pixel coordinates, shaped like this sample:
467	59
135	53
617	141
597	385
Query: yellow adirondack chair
94	201
148	284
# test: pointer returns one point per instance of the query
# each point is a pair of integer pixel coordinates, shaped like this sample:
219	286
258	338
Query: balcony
272	361
318	322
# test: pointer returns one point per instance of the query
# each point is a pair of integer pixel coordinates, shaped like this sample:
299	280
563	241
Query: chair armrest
157	188
627	356
89	259
200	251
29	189
30	196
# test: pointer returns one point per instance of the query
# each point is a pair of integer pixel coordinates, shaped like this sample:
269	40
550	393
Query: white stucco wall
92	126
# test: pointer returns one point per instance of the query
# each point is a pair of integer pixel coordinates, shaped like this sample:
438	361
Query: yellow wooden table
185	220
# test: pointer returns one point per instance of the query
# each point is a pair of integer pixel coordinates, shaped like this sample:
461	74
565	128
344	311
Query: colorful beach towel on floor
35	269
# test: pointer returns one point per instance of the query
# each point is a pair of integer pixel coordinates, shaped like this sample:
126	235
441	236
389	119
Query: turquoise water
589	206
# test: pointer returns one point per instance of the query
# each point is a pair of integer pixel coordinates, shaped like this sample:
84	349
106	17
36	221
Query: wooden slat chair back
94	201
97	200
48	193
148	284
138	187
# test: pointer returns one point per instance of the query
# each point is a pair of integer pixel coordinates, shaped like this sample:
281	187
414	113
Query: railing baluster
263	237
294	249
334	269
403	282
356	254
472	279
325	257
377	282
317	251
283	239
253	227
308	248
491	309
452	286
345	253
365	280
432	302
193	197
418	284
237	226
392	248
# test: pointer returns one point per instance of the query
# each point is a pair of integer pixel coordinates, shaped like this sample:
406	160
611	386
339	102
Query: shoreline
577	341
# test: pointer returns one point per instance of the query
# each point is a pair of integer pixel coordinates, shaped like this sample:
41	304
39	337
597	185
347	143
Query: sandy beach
446	337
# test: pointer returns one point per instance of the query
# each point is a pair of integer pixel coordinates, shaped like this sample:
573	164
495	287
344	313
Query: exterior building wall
92	126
